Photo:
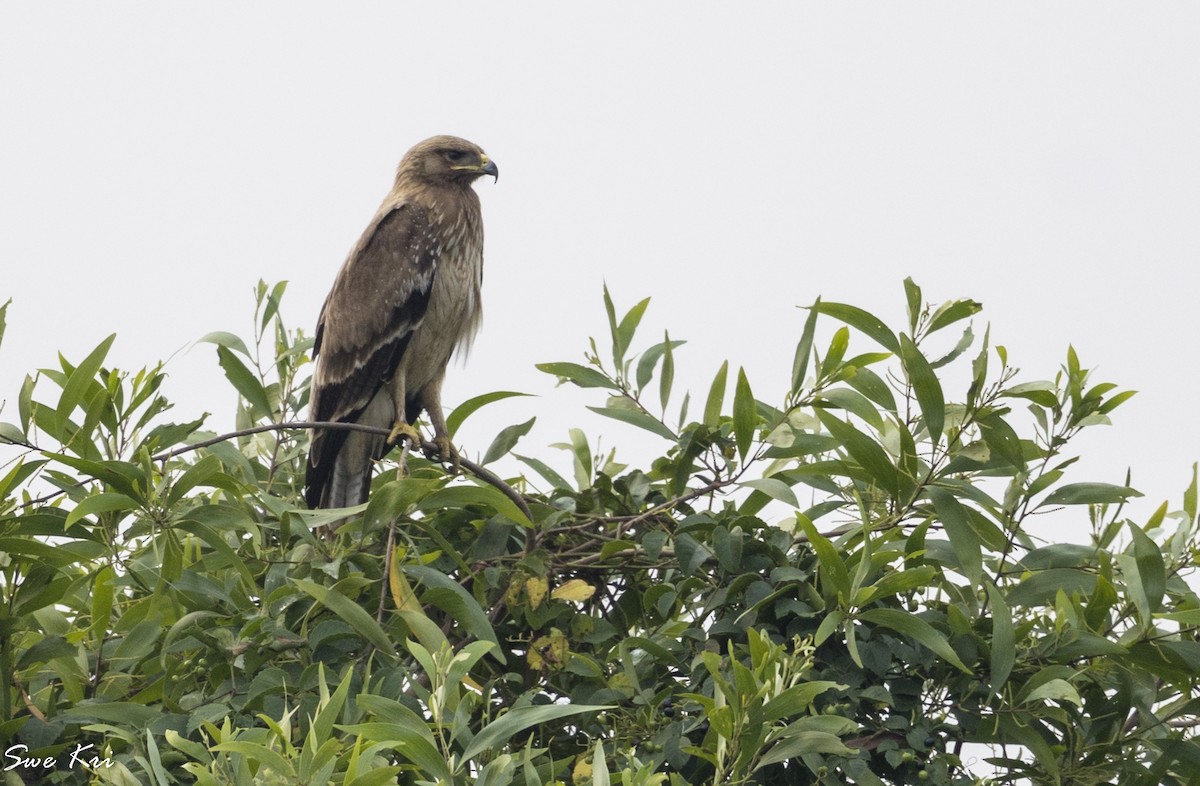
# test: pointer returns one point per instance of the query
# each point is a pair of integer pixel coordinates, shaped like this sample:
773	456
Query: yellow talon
403	429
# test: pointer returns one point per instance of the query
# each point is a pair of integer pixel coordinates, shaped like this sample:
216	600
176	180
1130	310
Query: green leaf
1055	690
964	343
208	522
460	496
836	352
322	724
1116	401
863	321
773	488
517	720
273	300
950	312
1152	572
1089	494
804	348
872	386
917	629
833	567
802	744
583	376
267	758
611	313
912	295
126	713
398	722
728	548
979	369
82	378
649	359
745	414
629	324
47	650
864	450
549	475
963	538
4	318
1041	587
103	595
350	613
246	383
181	626
691	553
1004	651
1192	495
796	700
636	417
1040	392
199	474
104	502
11	435
473	405
926	386
854	402
227	340
716	397
456	602
1001	439
505	441
600	774
803	444
668	371
892	584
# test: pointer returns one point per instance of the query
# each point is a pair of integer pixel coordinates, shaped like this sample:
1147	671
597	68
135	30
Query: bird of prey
406	298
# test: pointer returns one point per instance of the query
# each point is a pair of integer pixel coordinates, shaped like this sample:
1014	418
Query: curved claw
444	452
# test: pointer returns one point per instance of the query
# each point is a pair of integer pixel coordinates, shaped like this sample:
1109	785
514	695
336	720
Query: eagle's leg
431	401
402	429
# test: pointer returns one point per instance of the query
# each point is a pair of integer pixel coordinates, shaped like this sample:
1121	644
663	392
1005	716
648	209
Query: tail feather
340	463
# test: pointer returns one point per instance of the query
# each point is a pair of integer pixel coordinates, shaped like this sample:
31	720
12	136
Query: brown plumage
406	297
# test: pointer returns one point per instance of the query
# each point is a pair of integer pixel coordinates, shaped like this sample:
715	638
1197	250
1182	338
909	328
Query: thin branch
486	475
654	511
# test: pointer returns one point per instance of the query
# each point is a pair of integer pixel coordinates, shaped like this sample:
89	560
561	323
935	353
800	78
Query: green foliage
841	583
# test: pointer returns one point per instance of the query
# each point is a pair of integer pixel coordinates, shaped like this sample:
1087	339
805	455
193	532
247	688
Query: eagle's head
446	160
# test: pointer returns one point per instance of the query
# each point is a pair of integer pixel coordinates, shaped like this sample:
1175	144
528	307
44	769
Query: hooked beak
488	167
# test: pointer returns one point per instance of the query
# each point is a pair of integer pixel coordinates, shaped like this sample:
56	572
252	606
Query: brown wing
377	300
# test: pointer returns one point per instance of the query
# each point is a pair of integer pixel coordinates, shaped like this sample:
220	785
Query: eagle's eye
454	156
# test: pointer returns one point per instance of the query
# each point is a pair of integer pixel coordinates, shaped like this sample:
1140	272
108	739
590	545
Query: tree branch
486	475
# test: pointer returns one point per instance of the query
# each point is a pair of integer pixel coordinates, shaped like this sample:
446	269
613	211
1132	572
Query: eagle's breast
454	313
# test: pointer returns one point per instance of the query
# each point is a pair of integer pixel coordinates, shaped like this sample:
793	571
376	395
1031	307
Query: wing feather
378	299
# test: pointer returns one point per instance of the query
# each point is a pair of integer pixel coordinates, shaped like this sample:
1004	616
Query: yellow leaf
512	596
550	652
402	593
575	589
582	773
536	589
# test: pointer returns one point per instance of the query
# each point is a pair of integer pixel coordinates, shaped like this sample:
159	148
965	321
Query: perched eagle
403	301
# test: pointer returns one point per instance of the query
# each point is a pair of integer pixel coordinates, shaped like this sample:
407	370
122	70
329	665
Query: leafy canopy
838	584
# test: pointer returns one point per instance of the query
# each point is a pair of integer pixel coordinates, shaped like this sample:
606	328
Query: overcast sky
731	161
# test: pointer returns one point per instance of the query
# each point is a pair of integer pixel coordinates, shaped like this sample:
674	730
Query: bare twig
665	506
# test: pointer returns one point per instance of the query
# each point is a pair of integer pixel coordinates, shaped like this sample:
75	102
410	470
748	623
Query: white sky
157	160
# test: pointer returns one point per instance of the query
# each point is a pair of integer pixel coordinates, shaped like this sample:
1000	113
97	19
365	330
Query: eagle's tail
339	472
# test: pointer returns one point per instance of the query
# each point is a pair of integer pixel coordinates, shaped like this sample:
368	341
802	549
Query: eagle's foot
405	430
444	452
